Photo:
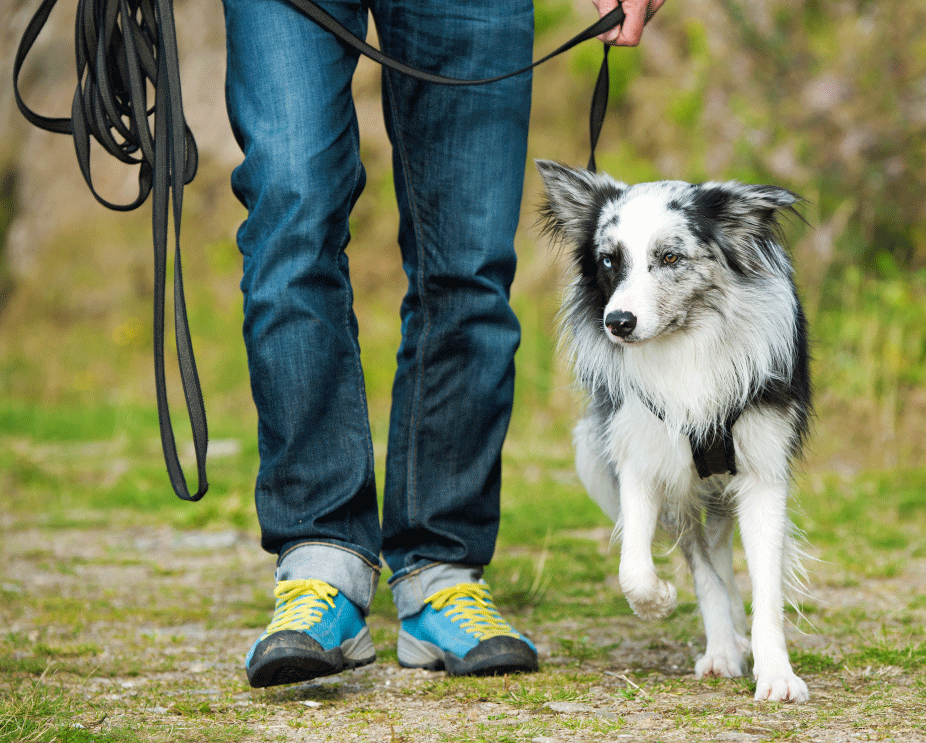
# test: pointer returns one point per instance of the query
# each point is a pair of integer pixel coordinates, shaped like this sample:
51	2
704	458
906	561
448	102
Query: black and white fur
682	310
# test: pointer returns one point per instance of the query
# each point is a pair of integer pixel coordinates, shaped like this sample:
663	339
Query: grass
34	712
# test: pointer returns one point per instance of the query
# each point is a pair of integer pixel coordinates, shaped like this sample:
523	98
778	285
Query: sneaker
315	631
460	630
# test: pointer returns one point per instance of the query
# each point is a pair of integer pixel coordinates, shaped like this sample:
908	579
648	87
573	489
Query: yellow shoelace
300	604
471	605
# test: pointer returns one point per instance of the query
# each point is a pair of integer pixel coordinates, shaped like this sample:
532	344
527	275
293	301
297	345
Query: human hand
637	12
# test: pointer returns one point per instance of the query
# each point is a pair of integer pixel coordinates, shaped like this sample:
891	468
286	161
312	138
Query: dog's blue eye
606	262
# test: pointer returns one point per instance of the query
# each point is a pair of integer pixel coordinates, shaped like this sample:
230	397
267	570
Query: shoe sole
414	653
291	670
294	657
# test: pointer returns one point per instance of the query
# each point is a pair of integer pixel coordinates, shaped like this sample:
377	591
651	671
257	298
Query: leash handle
175	159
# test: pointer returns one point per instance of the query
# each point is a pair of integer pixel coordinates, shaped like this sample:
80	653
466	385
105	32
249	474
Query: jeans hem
343	567
411	590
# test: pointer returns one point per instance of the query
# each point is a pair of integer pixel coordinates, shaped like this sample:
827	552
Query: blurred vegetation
827	98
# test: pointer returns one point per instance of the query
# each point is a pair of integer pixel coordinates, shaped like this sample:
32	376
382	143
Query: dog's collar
714	454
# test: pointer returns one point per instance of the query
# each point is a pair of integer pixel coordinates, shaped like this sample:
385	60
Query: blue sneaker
315	631
460	630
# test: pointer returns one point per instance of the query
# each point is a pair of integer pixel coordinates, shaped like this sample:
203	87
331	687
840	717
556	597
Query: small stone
568	708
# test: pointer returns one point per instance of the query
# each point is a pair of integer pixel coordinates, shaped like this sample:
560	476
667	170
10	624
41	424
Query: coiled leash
120	46
123	45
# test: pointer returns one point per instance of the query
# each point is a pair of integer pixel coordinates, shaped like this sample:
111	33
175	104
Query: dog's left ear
743	221
574	199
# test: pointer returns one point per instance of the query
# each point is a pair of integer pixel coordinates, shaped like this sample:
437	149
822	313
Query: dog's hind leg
726	646
765	529
719	533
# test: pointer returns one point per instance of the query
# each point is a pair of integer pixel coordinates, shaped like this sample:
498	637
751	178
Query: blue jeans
458	159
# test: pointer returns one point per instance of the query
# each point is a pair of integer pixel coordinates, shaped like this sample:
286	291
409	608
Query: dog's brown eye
669	258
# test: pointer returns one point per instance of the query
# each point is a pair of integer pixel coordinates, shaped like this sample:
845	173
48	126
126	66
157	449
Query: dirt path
145	630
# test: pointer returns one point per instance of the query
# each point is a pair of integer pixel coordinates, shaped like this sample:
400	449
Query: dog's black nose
621	324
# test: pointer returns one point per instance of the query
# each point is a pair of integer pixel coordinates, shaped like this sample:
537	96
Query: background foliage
825	98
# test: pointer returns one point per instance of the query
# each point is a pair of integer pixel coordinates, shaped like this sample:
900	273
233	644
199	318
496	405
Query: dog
684	328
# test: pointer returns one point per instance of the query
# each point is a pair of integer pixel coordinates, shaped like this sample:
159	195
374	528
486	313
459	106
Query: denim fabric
459	159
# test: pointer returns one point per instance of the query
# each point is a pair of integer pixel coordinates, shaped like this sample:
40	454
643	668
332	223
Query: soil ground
145	630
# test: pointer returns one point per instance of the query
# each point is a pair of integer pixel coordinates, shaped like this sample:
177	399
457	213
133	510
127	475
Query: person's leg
289	101
459	160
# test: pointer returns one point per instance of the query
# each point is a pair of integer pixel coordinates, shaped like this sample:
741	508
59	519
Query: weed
582	650
34	712
808	662
911	657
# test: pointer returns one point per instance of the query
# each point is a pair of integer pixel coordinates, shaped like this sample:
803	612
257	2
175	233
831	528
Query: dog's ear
574	199
743	221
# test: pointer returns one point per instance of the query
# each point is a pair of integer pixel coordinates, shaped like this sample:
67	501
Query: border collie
684	327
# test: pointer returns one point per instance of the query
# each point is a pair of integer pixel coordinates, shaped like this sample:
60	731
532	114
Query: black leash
121	47
599	99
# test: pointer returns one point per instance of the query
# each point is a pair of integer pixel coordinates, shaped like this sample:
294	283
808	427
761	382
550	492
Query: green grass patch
582	650
910	656
808	662
34	711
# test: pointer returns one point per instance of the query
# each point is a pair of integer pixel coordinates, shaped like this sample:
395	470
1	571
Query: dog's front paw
655	600
723	663
784	687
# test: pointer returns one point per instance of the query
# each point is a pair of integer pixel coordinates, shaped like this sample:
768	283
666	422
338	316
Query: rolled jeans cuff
343	568
410	591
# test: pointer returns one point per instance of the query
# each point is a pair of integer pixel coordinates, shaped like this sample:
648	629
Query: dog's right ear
574	199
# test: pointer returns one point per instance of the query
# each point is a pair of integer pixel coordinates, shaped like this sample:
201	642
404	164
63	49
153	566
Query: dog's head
655	258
